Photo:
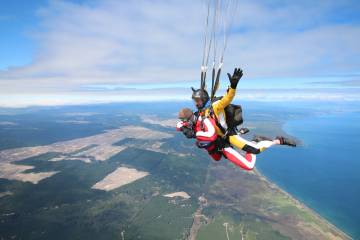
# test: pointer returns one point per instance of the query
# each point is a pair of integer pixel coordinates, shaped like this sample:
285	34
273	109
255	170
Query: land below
142	180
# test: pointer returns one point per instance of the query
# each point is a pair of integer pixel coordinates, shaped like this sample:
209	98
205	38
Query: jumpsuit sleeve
225	101
179	125
209	132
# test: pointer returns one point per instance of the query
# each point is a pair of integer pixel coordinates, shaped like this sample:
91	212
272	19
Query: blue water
325	172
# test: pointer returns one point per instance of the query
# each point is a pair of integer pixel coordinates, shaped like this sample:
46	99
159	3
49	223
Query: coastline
301	205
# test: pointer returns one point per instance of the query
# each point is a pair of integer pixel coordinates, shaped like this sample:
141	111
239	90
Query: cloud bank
159	42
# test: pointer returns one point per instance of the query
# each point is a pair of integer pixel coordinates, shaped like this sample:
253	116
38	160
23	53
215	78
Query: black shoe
286	141
258	138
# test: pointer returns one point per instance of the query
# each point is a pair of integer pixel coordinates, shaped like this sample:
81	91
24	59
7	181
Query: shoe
286	141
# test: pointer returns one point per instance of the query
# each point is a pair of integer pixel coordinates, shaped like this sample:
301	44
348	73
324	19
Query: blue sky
16	20
61	51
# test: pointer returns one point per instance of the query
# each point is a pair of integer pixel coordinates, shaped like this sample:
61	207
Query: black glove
188	132
235	78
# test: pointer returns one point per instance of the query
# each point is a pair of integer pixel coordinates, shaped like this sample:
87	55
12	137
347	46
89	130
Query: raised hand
235	78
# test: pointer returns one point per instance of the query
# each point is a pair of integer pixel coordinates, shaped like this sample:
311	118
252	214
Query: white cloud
154	95
112	41
122	42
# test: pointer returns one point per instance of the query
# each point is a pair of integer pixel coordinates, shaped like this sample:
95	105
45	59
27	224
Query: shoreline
313	211
302	205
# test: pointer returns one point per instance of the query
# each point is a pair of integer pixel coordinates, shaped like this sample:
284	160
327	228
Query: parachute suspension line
206	51
225	30
216	77
217	65
215	20
227	23
229	10
220	14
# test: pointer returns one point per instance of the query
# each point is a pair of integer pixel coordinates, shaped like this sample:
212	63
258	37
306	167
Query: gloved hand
235	78
188	132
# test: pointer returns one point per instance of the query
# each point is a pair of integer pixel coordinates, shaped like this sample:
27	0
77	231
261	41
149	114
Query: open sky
65	52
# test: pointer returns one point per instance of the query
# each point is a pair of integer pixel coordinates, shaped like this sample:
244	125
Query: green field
65	205
247	227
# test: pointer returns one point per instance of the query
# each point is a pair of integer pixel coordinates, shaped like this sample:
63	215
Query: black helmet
200	94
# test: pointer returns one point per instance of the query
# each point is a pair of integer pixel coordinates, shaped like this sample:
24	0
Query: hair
185	113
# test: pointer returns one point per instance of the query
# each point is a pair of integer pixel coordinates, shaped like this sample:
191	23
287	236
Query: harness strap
213	115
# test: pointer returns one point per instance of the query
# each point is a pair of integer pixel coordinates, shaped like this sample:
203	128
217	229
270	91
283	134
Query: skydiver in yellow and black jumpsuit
216	109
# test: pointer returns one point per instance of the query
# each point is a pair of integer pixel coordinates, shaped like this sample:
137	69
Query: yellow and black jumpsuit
218	108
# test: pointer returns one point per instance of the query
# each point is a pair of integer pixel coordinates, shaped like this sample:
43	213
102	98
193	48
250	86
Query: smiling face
198	102
200	97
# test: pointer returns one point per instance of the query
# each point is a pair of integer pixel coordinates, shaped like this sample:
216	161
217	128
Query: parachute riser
216	81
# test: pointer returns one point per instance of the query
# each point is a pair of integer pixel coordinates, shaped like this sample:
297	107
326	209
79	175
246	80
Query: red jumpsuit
206	137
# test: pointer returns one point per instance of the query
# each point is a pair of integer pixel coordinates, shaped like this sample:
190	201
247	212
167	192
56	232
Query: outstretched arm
186	129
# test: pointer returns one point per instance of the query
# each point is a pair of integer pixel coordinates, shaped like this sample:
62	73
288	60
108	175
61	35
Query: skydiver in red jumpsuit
207	138
204	126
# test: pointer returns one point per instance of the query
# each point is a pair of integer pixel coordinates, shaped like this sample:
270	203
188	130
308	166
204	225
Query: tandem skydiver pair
215	123
215	126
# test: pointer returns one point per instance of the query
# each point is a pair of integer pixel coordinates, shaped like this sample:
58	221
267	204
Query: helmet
202	95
